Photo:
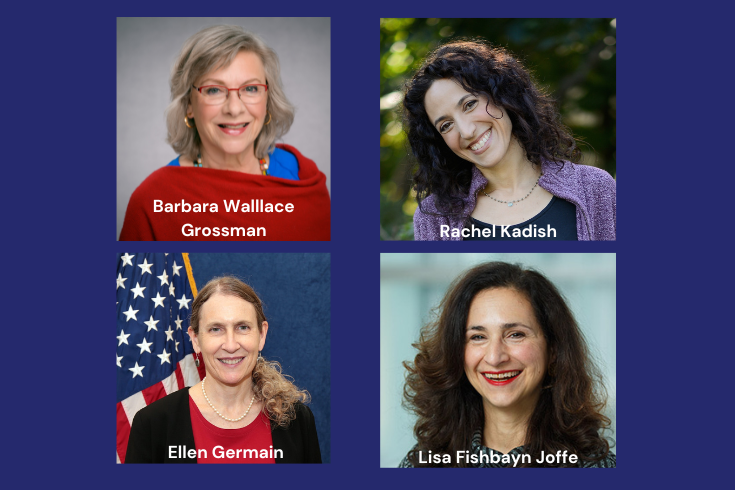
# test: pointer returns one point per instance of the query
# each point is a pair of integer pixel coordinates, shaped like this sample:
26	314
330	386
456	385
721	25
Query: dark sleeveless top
557	221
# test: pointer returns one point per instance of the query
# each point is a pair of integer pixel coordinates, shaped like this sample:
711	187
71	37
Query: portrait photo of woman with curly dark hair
493	158
502	375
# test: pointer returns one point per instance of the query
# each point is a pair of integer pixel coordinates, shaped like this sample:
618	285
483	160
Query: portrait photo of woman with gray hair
230	180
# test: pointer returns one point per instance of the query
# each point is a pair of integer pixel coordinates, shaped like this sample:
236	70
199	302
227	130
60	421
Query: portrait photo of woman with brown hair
503	377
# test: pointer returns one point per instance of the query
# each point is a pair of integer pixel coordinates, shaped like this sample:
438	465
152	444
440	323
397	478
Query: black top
559	215
167	422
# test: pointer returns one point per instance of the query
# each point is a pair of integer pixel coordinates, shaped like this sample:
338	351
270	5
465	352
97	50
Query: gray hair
207	50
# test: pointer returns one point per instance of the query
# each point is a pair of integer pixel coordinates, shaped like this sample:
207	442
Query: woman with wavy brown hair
492	152
245	410
503	378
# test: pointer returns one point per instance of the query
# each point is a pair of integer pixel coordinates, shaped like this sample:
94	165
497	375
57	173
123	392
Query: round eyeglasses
217	94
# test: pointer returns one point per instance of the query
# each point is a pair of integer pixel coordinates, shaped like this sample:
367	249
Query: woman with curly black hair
495	161
503	378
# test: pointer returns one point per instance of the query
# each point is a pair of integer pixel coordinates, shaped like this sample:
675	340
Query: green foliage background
573	59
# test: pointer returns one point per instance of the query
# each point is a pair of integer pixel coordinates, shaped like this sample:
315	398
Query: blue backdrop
674	264
296	293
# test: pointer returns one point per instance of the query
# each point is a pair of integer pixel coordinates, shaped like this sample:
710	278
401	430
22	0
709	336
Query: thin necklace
510	203
217	411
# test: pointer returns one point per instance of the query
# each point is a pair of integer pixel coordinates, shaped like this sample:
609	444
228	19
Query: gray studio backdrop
146	50
412	284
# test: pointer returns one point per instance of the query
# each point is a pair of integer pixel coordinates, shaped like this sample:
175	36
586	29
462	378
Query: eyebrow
459	103
504	326
220	82
217	323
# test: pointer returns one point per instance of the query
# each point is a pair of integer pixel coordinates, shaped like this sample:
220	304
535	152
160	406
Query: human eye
214	329
475	337
516	335
213	90
244	328
445	127
251	90
471	104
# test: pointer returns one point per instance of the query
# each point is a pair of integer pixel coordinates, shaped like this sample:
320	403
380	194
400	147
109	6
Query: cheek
450	141
472	358
534	357
259	110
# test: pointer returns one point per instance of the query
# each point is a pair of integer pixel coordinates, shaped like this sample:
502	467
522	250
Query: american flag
154	352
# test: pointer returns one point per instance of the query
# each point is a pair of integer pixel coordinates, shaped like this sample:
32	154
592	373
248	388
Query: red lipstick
501	381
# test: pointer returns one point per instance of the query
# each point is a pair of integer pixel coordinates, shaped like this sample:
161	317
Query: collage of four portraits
493	356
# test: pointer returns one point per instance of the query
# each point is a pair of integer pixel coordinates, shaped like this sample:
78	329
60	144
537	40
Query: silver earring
196	359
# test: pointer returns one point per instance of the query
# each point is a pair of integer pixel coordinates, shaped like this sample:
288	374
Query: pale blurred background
412	284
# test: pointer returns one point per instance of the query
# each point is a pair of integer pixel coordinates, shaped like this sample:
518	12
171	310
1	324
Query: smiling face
471	125
232	127
228	338
505	351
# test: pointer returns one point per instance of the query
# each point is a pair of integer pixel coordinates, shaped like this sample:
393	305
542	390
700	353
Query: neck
511	176
227	397
242	162
506	429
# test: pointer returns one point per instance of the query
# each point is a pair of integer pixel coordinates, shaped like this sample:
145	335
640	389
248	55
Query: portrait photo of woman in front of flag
205	378
243	166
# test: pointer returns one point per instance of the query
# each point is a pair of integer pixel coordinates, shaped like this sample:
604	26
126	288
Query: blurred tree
573	59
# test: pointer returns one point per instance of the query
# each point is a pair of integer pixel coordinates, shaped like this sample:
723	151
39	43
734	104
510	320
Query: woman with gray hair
230	180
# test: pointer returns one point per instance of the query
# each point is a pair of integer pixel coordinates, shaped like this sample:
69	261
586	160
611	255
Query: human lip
480	144
230	361
499	378
233	129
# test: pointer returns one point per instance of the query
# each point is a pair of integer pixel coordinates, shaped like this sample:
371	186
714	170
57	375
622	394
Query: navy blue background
295	290
675	295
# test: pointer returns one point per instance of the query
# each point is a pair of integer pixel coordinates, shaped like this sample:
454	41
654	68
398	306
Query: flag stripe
179	377
153	393
123	433
170	384
191	373
154	353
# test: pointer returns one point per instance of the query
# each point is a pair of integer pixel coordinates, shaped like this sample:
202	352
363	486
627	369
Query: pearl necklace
510	203
217	411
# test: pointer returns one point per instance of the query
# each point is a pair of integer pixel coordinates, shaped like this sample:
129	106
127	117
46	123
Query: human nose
496	352
466	128
230	344
233	104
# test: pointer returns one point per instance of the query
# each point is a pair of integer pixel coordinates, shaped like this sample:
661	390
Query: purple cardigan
590	189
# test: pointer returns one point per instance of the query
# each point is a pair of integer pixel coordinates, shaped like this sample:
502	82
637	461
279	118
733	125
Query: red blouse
250	444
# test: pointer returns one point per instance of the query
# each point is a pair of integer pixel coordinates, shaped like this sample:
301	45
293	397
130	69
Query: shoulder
164	407
284	157
303	413
426	219
406	462
307	168
159	177
567	174
174	162
283	164
595	177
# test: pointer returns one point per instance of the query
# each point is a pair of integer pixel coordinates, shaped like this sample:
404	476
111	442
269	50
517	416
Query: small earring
186	121
196	359
269	119
260	356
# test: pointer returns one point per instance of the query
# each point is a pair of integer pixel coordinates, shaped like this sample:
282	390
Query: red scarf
146	219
